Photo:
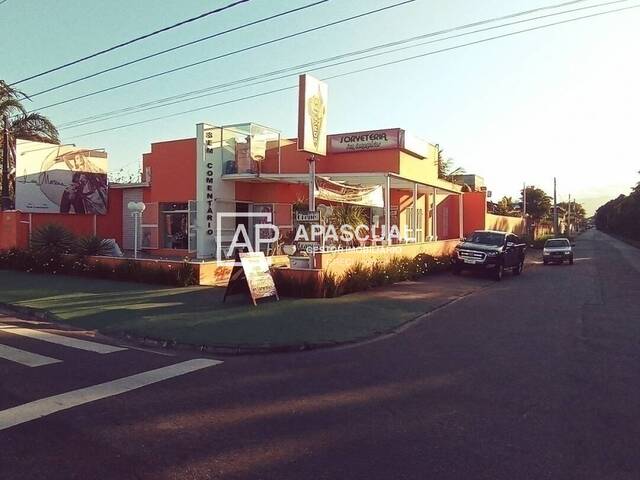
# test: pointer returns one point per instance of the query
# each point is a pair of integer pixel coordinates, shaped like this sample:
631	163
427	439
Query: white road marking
46	406
61	340
25	358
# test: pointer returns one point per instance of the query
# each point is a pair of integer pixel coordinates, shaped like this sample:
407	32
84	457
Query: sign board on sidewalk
259	279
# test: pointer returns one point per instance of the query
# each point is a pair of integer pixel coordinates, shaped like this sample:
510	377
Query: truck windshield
557	243
487	238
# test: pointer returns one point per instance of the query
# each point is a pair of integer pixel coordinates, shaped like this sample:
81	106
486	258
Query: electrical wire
133	40
242	83
177	47
228	54
361	70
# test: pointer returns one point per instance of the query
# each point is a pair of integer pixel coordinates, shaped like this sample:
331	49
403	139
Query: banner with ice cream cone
312	115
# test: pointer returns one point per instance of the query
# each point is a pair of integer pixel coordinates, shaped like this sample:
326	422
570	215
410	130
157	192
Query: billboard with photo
60	179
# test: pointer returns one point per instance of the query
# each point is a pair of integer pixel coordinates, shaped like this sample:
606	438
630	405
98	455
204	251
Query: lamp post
136	209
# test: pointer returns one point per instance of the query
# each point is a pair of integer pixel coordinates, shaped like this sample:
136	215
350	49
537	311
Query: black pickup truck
490	250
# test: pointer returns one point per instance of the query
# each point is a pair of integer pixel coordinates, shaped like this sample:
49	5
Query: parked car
490	250
557	250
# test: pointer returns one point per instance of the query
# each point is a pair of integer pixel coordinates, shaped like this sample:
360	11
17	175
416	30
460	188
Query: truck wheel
518	269
546	262
498	272
571	261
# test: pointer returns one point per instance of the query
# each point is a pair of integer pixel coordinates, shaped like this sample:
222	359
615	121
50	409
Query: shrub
53	240
92	246
186	275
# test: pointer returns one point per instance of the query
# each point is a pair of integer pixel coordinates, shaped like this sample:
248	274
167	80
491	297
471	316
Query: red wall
475	209
293	161
271	192
173	171
110	225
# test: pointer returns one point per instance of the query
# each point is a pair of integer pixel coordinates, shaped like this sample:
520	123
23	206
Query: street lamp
136	209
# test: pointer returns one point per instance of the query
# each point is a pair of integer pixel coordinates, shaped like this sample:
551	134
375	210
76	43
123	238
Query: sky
562	101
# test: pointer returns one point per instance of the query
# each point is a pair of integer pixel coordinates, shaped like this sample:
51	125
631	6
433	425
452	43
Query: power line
238	84
228	54
134	40
172	49
365	69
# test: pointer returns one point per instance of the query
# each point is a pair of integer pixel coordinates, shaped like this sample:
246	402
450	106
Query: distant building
474	182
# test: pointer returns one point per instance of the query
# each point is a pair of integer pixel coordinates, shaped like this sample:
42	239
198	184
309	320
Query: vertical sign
312	115
208	156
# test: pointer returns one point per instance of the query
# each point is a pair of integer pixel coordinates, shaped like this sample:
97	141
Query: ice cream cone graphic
317	110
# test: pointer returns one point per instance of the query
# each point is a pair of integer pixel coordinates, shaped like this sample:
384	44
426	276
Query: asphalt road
535	377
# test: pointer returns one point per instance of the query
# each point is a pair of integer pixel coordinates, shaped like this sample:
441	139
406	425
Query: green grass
196	315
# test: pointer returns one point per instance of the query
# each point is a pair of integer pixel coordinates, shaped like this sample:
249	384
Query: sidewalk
196	315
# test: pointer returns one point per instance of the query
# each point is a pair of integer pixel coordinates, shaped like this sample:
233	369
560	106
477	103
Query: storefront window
175	225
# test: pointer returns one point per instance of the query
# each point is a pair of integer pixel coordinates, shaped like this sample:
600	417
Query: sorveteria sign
367	140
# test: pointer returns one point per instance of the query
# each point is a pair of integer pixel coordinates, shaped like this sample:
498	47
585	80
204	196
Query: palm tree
18	123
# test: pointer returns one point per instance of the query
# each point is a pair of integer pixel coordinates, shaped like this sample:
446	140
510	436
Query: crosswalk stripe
46	406
61	340
25	358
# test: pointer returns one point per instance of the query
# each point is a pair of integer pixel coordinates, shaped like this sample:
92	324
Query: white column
415	212
434	218
387	208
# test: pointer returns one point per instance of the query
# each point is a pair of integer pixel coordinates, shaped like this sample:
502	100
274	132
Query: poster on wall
312	115
60	179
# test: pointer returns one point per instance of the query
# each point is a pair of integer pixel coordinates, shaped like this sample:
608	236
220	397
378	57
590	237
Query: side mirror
573	244
510	244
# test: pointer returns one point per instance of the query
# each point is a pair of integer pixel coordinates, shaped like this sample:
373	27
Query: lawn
196	315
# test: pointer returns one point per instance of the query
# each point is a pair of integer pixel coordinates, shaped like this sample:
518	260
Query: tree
446	167
538	203
505	206
19	124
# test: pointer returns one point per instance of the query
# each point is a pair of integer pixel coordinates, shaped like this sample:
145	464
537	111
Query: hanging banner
312	115
368	196
60	179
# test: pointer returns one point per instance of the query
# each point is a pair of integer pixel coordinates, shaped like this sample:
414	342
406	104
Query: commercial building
198	191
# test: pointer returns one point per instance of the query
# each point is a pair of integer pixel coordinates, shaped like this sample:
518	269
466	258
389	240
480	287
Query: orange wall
173	171
451	204
475	208
271	192
9	225
110	225
293	161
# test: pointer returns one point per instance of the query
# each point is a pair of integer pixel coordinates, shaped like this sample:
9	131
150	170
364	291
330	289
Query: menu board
259	279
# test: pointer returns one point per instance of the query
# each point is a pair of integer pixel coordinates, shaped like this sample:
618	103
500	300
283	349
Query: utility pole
569	215
555	209
5	204
524	207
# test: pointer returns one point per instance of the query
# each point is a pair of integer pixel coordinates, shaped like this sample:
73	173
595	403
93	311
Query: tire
456	270
546	262
498	272
571	261
518	269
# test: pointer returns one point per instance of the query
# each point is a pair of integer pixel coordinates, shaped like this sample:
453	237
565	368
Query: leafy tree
20	124
505	206
621	215
538	203
125	176
446	167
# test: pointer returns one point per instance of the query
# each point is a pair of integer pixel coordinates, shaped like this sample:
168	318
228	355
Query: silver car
557	250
